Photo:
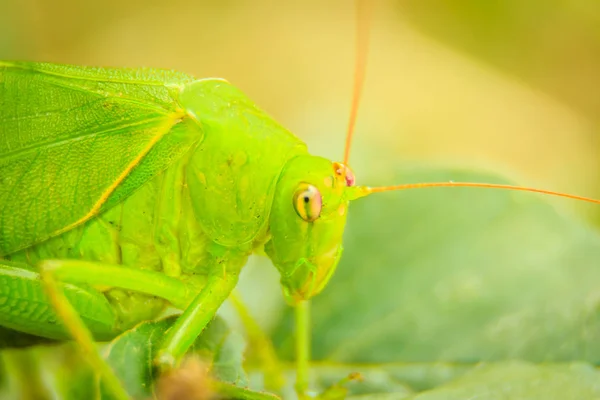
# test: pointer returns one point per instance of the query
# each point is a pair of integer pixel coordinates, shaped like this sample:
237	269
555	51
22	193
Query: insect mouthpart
309	278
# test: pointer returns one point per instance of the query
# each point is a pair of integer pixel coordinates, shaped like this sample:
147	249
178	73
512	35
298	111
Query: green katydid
142	188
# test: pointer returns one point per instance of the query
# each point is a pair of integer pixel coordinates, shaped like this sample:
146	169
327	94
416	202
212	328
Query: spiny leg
81	335
197	315
203	307
199	309
98	274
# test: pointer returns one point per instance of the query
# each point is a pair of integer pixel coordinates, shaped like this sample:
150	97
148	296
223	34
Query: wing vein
70	138
103	95
89	78
104	197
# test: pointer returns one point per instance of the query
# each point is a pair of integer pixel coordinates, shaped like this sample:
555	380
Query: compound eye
341	169
308	202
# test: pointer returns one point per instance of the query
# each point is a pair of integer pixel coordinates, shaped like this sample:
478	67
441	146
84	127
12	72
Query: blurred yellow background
511	86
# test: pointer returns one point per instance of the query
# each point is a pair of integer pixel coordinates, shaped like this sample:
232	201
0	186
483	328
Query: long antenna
363	19
364	9
365	190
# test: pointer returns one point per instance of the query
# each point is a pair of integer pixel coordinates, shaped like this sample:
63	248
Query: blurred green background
511	85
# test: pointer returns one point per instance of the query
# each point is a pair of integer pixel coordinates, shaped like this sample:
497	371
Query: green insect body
125	191
131	178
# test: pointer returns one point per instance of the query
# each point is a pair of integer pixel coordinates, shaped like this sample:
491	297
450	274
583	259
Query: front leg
182	334
224	271
303	347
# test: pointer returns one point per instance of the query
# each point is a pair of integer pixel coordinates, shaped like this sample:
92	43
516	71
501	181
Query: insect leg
108	275
198	312
225	267
98	274
302	313
81	334
195	318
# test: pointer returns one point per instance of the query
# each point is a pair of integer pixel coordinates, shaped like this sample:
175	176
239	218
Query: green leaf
131	354
59	371
511	380
520	381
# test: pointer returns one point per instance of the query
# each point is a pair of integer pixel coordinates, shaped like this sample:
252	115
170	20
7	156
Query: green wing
76	140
